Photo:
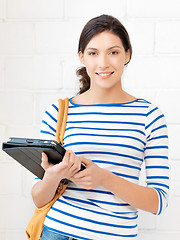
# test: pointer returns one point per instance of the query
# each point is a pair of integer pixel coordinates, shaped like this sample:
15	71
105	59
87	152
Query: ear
127	57
81	57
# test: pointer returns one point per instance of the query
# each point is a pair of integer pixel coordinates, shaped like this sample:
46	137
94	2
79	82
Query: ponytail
84	79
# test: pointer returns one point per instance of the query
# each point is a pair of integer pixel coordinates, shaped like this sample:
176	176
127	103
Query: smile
105	74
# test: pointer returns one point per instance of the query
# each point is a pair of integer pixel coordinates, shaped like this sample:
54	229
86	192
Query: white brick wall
1	9
16	37
38	59
167	39
79	9
142	36
33	72
25	9
153	9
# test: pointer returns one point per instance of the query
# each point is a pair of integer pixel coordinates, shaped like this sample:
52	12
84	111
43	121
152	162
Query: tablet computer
28	152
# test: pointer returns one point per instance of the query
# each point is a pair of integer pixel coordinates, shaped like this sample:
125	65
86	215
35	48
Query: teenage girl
112	133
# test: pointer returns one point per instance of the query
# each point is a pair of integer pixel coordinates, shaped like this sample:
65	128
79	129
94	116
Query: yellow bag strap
62	119
35	226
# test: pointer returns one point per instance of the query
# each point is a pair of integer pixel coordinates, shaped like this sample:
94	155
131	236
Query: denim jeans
49	235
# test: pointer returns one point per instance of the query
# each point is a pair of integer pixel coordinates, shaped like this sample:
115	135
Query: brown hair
93	27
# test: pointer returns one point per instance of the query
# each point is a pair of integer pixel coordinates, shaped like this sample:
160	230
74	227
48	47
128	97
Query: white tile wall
167	39
57	37
16	38
174	150
153	72
141	35
33	72
77	9
17	107
165	100
153	9
25	9
38	60
1	9
1	72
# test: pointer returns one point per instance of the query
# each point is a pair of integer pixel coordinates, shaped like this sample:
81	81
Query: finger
79	183
81	174
85	161
66	157
76	163
45	164
71	158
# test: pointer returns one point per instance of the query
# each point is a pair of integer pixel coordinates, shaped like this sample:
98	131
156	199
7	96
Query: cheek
89	70
119	63
88	73
90	67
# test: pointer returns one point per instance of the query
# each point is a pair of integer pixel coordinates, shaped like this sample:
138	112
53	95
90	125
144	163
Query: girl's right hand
70	165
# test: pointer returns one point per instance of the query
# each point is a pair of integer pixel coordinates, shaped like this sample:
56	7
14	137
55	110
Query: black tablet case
28	152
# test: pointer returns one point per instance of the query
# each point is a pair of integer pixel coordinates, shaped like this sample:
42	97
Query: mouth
104	74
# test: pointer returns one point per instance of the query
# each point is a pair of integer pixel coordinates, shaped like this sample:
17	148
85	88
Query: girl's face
104	58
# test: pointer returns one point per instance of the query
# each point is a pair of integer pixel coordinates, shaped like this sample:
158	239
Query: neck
100	96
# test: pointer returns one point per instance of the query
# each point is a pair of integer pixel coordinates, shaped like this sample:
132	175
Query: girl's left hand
89	178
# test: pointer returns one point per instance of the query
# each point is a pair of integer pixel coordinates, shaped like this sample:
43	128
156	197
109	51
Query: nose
103	61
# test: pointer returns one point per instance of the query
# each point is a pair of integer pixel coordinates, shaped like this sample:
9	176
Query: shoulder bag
35	226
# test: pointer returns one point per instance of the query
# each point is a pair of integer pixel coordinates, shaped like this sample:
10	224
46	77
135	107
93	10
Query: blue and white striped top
118	137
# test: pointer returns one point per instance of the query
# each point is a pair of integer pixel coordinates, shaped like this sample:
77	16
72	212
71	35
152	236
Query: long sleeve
49	121
156	155
48	126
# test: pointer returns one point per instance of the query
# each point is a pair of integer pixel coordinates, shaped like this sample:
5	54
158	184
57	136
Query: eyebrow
108	48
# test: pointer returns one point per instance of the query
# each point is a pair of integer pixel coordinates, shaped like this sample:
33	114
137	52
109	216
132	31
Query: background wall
38	59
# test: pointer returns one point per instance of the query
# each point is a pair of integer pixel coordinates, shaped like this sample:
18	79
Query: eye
114	52
92	53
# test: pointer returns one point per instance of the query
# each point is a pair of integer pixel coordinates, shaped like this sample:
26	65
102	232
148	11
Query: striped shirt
118	137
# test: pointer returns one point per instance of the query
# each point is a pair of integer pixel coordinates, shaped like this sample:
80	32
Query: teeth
104	74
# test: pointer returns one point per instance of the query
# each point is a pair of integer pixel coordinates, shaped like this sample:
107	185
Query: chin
109	85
